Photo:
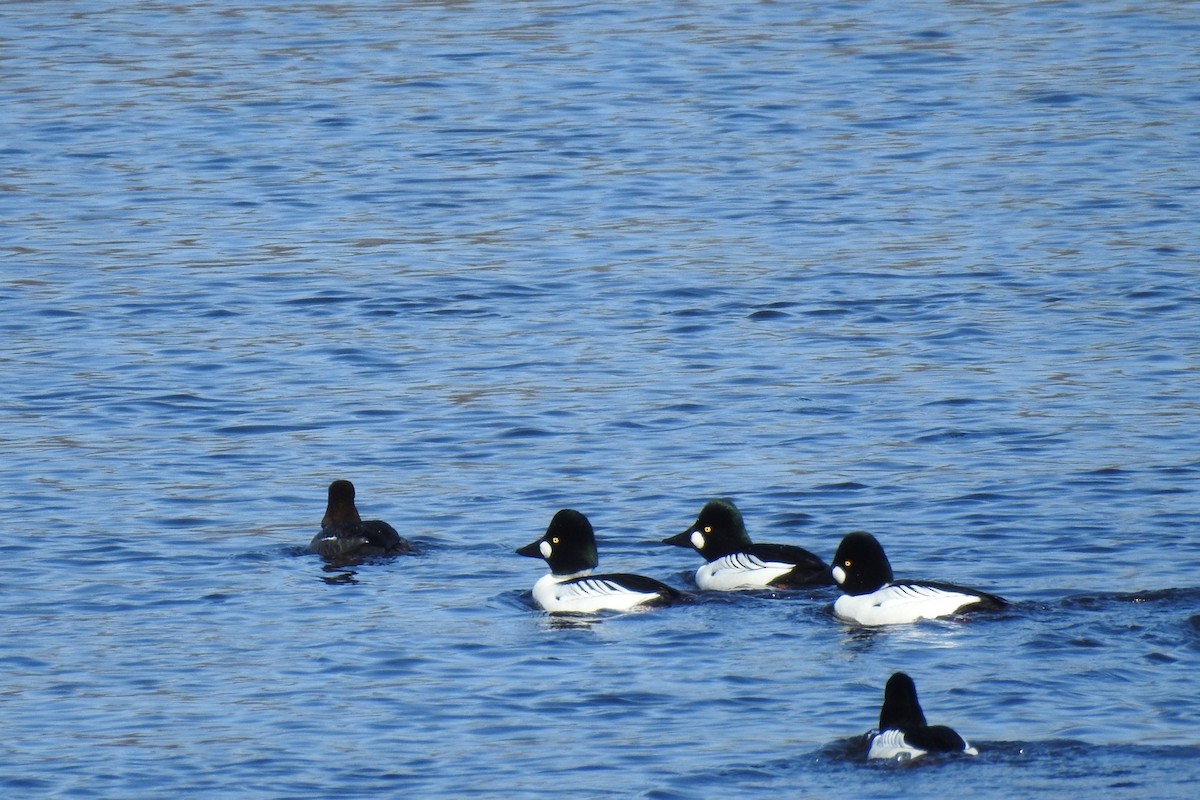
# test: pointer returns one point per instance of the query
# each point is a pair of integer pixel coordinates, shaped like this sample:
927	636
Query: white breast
899	603
739	571
585	596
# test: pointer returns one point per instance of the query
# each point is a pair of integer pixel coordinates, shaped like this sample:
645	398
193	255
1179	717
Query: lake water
929	270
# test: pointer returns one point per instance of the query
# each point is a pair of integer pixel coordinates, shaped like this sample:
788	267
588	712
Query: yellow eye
847	562
708	529
555	541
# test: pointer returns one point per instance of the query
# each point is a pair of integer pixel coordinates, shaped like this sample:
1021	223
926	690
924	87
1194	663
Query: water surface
929	272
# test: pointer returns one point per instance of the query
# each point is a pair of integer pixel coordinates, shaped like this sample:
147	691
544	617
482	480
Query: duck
734	563
345	535
871	595
903	733
569	548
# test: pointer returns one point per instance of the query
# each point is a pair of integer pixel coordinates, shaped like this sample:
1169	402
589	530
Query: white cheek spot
698	540
545	549
839	575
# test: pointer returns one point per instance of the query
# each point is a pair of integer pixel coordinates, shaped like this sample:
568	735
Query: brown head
341	510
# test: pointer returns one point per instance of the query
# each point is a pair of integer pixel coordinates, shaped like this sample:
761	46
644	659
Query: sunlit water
928	270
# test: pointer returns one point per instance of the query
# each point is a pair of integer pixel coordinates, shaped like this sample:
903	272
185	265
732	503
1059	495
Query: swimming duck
733	562
903	733
569	548
873	597
346	535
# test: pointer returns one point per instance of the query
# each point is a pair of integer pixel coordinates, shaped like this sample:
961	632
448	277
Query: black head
569	544
340	510
718	531
860	565
900	710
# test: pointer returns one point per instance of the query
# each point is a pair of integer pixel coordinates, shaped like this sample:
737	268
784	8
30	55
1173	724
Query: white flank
587	596
890	744
899	603
739	571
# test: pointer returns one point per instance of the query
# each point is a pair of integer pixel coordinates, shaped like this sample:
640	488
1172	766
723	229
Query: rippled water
927	271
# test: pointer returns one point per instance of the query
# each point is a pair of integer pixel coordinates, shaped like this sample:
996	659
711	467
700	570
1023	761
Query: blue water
928	270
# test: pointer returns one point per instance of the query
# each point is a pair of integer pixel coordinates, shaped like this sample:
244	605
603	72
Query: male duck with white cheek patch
569	548
873	597
733	562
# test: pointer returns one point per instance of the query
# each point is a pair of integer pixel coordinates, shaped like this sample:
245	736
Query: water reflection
927	634
338	575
